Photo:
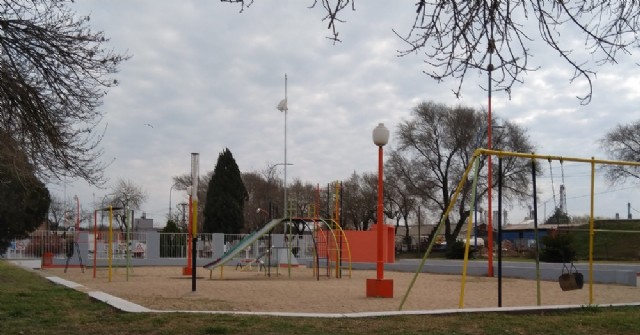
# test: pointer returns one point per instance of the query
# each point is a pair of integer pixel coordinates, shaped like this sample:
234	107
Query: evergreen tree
558	217
24	203
171	227
226	194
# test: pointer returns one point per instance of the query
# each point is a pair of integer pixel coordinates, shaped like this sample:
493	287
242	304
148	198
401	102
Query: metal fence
150	247
302	246
176	245
54	243
134	243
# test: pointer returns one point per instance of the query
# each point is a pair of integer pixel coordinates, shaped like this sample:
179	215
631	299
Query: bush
456	250
557	248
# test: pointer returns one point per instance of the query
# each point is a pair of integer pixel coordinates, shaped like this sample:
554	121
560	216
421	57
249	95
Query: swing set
570	278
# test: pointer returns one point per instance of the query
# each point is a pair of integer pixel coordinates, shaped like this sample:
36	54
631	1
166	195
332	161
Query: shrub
456	250
557	248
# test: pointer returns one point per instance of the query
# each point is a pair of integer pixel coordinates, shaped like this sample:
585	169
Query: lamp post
77	213
195	175
282	107
170	189
380	287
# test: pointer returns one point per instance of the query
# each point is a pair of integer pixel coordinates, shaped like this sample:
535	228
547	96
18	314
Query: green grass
29	304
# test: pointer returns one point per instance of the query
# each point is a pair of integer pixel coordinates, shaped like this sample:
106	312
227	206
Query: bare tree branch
459	37
54	72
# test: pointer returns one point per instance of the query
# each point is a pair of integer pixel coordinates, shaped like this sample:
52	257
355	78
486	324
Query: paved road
606	273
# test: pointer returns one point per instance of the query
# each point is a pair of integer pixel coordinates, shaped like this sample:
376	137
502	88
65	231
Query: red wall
363	245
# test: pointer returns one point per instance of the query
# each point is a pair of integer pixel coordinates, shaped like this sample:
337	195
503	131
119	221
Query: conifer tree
226	194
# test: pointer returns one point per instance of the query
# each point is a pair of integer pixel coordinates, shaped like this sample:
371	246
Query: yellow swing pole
440	225
591	230
468	237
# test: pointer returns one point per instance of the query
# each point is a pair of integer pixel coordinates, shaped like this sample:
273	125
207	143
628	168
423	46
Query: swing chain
553	188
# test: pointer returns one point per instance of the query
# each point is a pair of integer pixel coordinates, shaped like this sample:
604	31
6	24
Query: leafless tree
57	212
495	36
182	182
399	198
434	148
126	195
262	194
54	72
622	143
359	200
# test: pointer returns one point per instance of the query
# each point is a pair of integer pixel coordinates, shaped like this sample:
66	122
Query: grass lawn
29	304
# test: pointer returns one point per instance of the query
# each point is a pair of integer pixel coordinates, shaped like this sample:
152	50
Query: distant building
143	224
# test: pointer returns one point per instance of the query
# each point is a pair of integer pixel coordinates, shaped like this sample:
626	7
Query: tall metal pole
286	108
380	221
489	185
170	189
282	106
380	287
194	224
500	231
77	214
490	68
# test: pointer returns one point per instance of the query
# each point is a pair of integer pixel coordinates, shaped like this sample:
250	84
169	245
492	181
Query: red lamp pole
489	184
380	223
380	287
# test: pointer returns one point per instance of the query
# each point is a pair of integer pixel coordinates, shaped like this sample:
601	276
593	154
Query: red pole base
379	288
186	271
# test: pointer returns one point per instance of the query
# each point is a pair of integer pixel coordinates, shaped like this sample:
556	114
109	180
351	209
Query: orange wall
363	245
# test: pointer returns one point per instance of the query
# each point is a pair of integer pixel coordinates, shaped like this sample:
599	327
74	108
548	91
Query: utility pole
184	211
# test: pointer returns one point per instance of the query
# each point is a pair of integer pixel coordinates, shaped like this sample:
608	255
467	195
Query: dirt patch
164	288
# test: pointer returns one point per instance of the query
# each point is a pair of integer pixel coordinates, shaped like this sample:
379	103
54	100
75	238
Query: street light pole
77	214
282	106
380	287
195	175
170	189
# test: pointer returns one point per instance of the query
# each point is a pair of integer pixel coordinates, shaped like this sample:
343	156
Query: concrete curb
119	303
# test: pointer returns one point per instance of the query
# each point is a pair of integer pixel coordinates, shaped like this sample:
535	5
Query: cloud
208	77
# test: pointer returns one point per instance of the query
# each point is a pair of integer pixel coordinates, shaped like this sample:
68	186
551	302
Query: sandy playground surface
164	288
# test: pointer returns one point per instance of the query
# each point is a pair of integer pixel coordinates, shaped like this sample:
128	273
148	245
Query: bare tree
54	72
493	36
622	143
57	213
400	200
301	196
182	183
359	199
262	194
434	148
126	195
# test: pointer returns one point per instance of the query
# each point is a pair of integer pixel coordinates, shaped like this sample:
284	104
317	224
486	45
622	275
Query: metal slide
244	243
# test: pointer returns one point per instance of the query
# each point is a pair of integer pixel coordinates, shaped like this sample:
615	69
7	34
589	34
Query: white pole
285	146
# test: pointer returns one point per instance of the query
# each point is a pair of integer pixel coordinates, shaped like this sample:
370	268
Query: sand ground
164	288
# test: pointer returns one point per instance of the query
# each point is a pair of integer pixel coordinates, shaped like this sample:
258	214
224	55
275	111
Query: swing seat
571	279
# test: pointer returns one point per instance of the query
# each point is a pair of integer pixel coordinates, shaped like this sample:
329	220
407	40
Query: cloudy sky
204	77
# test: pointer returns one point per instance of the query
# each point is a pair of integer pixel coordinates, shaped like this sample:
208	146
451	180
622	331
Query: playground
165	288
297	288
